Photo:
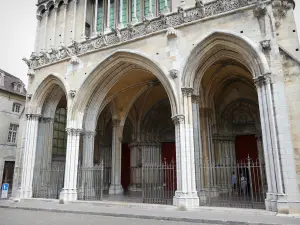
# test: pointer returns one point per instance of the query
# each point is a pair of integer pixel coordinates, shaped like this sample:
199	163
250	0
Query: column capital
47	12
48	120
262	80
116	122
187	91
178	119
73	131
90	134
33	116
195	98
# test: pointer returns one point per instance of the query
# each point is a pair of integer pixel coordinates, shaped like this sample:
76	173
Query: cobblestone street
24	217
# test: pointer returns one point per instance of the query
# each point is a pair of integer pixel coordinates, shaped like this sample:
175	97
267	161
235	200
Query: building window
100	16
59	132
12	133
16	107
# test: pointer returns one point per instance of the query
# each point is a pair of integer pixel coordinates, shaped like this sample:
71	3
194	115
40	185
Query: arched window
59	132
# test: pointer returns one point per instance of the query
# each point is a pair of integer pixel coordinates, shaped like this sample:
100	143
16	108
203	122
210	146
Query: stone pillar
134	18
88	163
69	192
121	25
135	166
37	33
83	36
116	187
107	27
197	142
95	32
74	22
55	18
46	25
48	139
186	194
64	22
29	155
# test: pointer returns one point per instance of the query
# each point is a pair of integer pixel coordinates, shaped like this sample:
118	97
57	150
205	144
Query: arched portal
129	104
228	130
49	105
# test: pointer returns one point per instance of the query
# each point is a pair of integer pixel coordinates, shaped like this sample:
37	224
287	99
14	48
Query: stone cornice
145	28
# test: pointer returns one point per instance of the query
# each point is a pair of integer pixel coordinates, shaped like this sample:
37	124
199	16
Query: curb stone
183	219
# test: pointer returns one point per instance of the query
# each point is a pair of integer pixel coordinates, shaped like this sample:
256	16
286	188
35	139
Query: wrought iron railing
240	184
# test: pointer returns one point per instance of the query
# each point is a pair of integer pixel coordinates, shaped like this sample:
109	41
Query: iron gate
48	182
240	184
90	183
158	182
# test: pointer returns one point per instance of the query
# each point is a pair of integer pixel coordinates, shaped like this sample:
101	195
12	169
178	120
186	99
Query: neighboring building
185	103
12	104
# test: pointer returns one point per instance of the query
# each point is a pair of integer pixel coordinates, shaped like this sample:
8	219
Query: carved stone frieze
163	21
280	9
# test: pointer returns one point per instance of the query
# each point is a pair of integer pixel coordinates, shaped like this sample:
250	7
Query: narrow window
138	9
112	14
100	16
147	7
124	12
59	132
12	133
162	5
16	107
87	29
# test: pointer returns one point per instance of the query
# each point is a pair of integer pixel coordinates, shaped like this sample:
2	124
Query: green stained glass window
146	7
162	4
59	132
138	9
100	16
112	14
124	12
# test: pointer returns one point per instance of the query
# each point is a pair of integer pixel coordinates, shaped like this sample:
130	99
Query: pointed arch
220	44
106	74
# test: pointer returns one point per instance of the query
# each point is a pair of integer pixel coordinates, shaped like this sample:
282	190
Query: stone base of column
291	207
115	189
268	203
187	200
68	195
25	193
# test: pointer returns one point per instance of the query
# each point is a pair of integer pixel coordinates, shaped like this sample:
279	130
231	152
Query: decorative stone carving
117	34
74	60
73	131
29	96
262	80
178	119
280	8
196	99
171	32
266	45
260	9
163	21
90	134
174	73
31	73
28	62
187	91
72	93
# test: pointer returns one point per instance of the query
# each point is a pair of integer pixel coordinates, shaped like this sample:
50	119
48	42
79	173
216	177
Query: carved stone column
88	164
46	25
186	194
95	32
65	6
37	33
74	19
29	155
55	18
69	192
116	187
267	135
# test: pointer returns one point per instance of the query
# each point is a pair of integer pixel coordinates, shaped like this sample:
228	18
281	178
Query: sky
17	34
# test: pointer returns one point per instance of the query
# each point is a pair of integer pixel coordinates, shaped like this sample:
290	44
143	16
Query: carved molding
159	23
33	116
90	134
262	80
187	91
73	131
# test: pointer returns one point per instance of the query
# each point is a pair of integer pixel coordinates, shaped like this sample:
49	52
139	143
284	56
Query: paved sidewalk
211	215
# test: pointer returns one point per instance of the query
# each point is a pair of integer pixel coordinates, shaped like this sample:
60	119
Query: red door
246	145
168	154
125	172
